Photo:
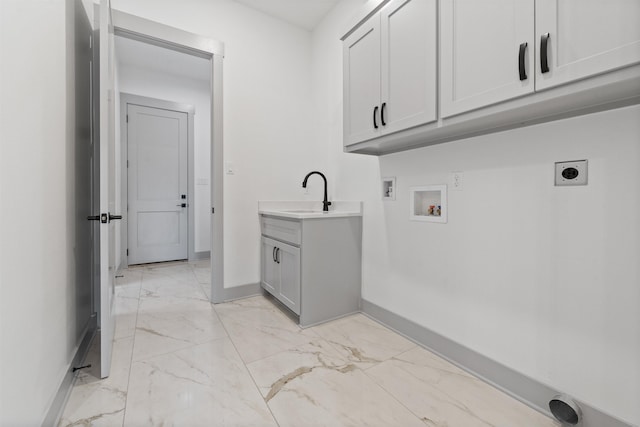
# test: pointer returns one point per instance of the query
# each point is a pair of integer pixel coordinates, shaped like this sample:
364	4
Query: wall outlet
571	173
456	181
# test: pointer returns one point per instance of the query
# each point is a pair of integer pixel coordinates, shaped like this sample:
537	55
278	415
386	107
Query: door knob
182	205
93	217
112	217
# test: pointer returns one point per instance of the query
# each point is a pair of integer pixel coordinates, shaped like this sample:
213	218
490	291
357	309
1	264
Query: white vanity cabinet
390	71
312	265
281	272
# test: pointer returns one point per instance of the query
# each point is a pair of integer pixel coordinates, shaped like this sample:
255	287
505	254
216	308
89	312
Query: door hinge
213	210
127	118
127	252
127	163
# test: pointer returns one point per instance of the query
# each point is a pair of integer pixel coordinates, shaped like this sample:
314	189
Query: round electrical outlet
570	173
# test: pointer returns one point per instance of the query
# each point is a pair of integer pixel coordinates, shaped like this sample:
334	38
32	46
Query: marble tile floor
180	361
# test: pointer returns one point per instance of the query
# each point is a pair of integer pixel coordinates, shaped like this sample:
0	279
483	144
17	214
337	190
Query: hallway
180	361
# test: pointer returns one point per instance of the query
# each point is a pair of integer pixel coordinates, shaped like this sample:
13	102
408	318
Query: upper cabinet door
361	61
585	37
409	55
483	53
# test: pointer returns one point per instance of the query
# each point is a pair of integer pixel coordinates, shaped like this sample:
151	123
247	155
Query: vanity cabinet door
584	38
288	258
485	46
270	276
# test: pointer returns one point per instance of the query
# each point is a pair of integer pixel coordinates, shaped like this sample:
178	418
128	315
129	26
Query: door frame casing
137	28
127	99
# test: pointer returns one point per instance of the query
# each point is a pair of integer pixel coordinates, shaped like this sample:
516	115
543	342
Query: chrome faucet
325	202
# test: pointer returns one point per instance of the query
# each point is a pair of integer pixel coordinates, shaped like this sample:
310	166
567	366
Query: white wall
267	114
180	89
38	307
542	279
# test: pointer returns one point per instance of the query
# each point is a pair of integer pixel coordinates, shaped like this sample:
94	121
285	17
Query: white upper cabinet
361	59
390	71
493	65
409	52
486	52
585	38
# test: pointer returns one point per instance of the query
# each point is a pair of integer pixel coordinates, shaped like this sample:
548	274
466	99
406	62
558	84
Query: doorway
108	24
165	132
156	137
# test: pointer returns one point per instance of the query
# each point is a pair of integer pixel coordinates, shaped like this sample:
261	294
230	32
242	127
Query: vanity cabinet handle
544	51
273	254
278	255
521	56
384	105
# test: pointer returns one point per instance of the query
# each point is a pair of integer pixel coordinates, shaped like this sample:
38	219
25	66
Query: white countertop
309	209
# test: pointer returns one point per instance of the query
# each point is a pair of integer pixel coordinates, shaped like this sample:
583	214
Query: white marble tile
97	402
314	386
202	271
349	372
126	309
252	306
363	341
178	281
128	276
206	288
273	372
167	324
204	385
443	395
259	329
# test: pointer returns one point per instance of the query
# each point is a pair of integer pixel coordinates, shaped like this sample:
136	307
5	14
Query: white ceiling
303	13
142	55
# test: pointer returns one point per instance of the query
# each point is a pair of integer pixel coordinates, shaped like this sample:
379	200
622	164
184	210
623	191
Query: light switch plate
229	168
455	181
571	173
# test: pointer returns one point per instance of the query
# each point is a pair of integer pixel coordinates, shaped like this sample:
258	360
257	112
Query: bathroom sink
308	209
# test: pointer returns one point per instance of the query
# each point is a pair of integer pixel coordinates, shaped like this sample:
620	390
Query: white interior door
157	184
107	188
